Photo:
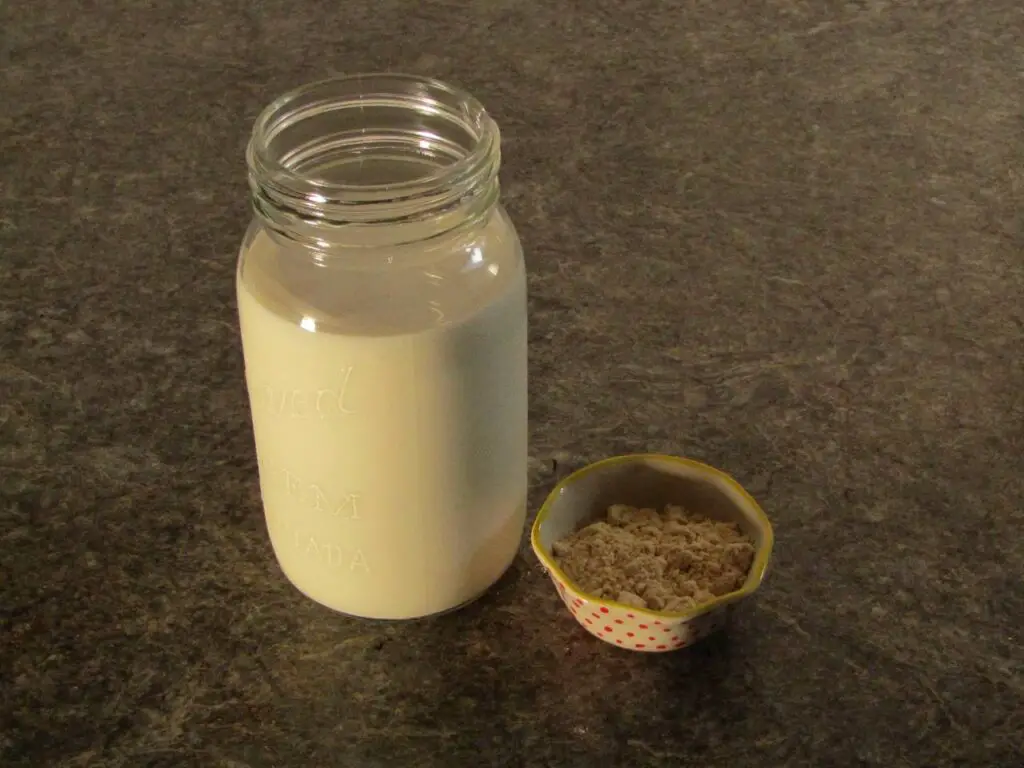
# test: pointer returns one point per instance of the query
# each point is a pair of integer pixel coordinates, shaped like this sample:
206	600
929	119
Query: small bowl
648	480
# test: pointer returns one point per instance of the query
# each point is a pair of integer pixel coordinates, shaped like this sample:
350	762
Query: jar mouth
377	147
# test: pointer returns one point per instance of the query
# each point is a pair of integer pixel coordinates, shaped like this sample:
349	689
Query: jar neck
373	160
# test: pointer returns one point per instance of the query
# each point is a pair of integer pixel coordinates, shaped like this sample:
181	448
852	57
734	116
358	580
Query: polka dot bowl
648	480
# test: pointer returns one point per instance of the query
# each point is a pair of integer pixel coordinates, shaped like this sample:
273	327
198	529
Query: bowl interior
649	480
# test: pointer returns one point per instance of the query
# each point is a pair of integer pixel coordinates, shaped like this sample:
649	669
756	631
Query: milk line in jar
304	403
310	495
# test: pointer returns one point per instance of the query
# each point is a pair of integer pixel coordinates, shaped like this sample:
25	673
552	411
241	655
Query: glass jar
382	304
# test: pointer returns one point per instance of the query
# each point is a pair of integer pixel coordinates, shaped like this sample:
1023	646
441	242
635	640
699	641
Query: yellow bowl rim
758	567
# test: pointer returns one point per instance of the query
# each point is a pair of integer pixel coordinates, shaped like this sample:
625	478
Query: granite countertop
783	237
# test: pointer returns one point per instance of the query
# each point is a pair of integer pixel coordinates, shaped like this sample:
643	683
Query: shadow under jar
382	303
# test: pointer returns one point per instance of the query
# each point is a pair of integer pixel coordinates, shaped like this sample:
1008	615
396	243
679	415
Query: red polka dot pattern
624	629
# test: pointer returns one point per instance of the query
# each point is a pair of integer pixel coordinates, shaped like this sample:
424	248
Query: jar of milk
382	304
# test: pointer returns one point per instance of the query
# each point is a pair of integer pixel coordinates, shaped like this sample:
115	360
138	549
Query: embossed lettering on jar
382	303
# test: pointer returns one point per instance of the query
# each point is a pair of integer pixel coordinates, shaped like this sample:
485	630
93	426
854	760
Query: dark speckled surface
782	237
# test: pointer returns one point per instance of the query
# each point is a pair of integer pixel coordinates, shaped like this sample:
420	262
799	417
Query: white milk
392	461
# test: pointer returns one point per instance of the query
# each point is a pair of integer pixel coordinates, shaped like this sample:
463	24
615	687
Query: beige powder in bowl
664	561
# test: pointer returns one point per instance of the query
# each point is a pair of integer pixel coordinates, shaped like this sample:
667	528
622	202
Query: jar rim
415	92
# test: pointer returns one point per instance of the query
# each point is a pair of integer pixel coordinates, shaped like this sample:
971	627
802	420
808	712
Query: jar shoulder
382	290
